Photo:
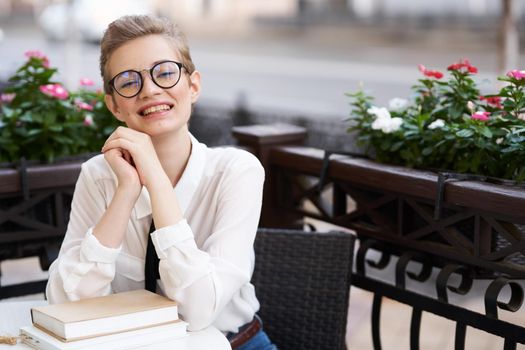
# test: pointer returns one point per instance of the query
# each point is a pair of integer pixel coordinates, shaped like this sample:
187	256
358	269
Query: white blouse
206	259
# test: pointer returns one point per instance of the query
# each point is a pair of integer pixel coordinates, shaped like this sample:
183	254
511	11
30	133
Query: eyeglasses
165	74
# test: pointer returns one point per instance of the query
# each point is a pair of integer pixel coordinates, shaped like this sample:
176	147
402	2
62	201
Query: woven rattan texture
302	280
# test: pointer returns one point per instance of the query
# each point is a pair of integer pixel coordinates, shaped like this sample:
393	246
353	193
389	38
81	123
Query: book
105	315
38	339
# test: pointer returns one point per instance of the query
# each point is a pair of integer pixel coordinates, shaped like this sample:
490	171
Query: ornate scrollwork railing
459	226
439	305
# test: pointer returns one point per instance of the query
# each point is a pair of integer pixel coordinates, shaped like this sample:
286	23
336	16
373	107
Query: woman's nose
149	87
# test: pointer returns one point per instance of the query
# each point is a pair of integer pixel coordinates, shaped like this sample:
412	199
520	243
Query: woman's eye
128	84
164	75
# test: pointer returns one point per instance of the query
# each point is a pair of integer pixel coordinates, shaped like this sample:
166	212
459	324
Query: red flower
463	63
494	101
430	73
437	75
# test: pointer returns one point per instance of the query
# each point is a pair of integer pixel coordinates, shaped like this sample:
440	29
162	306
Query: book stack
114	322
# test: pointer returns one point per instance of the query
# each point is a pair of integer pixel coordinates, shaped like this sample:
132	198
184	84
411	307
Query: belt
245	333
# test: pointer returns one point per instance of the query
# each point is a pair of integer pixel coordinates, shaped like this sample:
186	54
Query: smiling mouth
155	109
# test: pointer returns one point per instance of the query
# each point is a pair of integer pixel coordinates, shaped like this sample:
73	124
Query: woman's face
154	111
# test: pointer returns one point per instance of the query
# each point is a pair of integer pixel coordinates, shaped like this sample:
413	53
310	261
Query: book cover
38	339
104	315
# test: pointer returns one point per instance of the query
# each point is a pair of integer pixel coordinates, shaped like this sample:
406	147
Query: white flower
499	140
438	123
379	112
387	125
471	106
380	123
521	116
384	120
397	104
88	120
395	124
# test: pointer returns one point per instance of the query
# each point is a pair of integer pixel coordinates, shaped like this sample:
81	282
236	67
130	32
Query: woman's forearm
164	205
111	228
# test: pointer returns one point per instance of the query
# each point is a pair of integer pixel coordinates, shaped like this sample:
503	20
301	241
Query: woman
204	203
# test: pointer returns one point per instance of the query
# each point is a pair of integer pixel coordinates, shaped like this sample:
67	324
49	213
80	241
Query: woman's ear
195	85
112	106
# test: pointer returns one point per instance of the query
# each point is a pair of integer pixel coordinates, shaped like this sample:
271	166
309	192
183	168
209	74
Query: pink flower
47	89
86	82
88	120
54	90
34	53
7	98
83	106
430	73
38	55
516	74
483	116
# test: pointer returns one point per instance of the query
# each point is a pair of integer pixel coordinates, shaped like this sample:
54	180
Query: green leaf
427	151
396	146
34	132
63	139
56	128
485	131
465	133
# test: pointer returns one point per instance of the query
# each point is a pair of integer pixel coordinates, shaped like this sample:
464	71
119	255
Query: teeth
155	109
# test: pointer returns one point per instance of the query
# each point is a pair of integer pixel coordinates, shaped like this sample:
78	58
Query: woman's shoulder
97	168
226	157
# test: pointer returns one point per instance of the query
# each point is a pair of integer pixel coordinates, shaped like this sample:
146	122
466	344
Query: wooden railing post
260	139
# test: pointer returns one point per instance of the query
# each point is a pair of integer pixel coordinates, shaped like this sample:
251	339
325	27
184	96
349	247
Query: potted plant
452	132
46	131
448	125
41	120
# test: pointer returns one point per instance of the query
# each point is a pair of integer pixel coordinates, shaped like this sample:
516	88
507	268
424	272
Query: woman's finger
119	143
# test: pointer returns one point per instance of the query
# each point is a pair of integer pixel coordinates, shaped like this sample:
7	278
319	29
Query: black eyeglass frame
112	81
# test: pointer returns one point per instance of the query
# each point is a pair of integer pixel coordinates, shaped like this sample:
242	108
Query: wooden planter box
479	223
34	209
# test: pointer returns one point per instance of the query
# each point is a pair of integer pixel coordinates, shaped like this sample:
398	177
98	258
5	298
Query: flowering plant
448	125
40	119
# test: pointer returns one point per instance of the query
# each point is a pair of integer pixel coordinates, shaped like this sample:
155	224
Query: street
286	72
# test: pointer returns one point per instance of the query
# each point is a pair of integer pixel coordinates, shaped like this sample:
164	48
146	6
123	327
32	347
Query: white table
16	314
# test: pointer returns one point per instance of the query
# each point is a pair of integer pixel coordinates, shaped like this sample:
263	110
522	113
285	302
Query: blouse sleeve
205	280
84	267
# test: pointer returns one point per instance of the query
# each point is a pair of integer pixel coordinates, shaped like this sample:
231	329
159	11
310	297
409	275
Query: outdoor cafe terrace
437	263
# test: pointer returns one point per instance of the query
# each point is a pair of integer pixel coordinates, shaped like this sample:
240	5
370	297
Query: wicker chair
302	280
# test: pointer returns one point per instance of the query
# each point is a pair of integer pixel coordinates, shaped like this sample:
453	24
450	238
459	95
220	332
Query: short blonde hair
127	28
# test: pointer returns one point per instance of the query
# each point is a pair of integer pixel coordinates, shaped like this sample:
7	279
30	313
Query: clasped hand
131	155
